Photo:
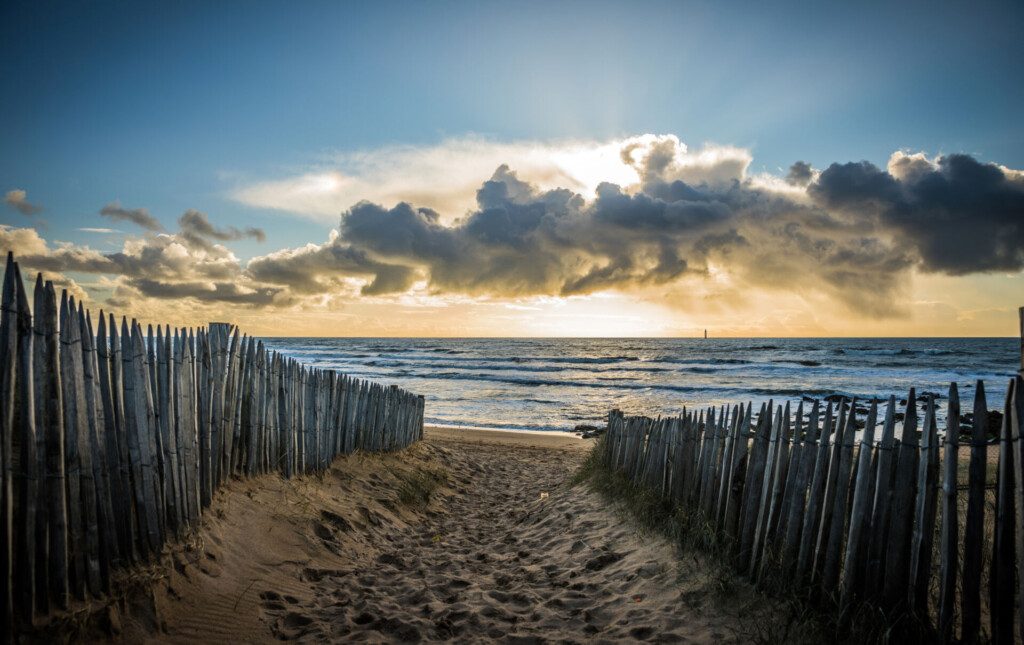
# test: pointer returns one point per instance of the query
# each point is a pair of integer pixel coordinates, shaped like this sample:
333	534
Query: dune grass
416	487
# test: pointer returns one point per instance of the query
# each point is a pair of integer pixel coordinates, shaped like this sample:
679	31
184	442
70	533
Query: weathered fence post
880	513
26	477
840	496
974	530
8	370
812	517
101	436
904	489
1016	415
1020	313
1001	586
924	513
860	515
948	548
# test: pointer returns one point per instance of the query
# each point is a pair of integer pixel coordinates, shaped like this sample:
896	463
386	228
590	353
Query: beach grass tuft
416	487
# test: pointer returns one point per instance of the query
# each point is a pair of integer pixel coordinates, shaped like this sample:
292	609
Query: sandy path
511	554
504	551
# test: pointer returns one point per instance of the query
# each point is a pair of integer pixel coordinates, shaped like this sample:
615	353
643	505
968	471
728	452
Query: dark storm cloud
853	233
317	269
854	237
138	216
800	174
522	241
959	215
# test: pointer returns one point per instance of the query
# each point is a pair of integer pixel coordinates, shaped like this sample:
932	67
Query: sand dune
504	550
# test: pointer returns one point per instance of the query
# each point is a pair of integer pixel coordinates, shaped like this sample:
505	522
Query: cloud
690	227
99	230
330	268
18	200
197	230
183	265
138	216
664	158
524	241
445	177
955	213
800	174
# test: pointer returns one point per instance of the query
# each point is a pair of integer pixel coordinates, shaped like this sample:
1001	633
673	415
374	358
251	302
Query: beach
504	548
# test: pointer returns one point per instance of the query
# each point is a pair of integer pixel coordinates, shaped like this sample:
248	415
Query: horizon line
362	337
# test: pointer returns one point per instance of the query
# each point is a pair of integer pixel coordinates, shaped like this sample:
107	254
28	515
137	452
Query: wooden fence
113	443
797	498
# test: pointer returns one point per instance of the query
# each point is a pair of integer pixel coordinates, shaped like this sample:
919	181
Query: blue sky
156	103
172	106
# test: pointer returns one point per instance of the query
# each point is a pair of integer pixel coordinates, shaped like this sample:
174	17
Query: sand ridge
505	551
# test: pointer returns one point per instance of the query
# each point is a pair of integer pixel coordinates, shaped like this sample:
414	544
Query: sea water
557	384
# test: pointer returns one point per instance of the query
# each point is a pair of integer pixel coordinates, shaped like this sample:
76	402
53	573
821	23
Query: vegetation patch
416	487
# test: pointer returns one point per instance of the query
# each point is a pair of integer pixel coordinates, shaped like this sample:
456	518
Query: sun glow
596	316
589	166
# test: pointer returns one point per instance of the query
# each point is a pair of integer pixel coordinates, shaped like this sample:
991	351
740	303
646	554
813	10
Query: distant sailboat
705	334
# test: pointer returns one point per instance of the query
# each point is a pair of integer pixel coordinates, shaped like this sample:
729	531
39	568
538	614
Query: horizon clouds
639	215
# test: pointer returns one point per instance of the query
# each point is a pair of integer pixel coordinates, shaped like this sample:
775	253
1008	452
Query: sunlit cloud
18	200
446	176
642	235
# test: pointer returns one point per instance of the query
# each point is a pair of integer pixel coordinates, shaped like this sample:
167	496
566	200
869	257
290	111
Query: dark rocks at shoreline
994	429
588	431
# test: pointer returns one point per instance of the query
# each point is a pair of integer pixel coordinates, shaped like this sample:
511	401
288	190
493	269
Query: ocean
558	383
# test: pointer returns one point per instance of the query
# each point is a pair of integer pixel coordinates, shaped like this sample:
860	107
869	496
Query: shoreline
513	438
470	428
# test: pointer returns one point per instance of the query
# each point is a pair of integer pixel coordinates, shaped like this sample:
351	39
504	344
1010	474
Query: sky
521	169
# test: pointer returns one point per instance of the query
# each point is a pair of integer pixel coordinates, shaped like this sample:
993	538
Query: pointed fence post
8	370
26	474
948	547
1020	312
1001	582
112	443
974	530
861	514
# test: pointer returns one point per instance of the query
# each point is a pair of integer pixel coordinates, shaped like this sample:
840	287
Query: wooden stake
974	529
